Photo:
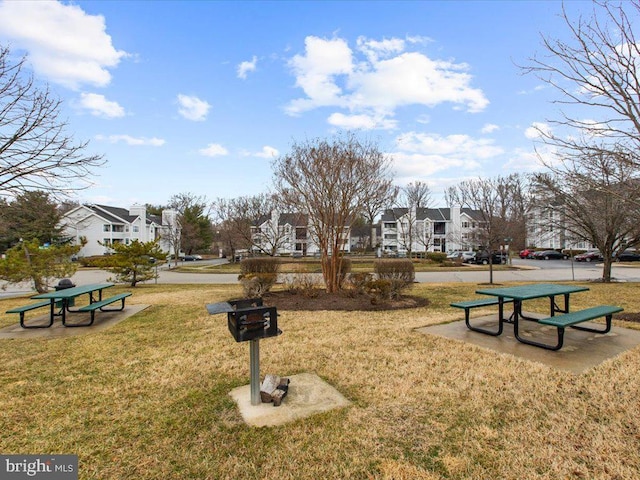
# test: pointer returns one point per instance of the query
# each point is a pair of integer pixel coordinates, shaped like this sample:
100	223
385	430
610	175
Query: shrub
258	275
257	284
303	283
260	265
399	275
379	290
395	269
437	257
359	281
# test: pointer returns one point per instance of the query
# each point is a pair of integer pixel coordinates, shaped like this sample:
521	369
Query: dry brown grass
148	398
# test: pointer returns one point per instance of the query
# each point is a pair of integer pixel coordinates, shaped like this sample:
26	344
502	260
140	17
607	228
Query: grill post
254	365
249	321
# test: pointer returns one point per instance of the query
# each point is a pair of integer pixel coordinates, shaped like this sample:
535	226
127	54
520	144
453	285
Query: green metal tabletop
74	291
534	290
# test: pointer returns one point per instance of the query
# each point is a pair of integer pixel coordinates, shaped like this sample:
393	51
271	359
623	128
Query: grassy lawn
148	398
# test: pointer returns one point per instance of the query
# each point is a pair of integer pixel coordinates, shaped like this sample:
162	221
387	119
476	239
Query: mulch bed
321	300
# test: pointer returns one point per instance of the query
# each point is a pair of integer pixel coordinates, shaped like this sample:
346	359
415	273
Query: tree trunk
490	268
606	269
331	270
38	284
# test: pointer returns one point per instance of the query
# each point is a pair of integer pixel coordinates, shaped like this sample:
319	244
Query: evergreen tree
135	262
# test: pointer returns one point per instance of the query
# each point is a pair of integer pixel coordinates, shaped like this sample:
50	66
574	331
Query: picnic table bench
92	307
27	308
467	305
574	318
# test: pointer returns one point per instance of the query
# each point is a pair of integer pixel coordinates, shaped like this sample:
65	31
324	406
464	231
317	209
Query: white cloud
267	152
420	155
133	141
528	160
213	150
374	49
489	128
246	67
192	108
99	106
360	122
65	44
537	130
385	77
315	72
535	89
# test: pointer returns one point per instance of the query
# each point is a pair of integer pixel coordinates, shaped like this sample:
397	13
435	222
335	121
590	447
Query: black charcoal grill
248	320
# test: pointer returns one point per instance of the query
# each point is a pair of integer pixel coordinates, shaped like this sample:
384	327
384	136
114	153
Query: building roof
120	215
293	219
433	214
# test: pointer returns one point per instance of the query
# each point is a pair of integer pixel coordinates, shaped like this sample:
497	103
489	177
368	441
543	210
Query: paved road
532	270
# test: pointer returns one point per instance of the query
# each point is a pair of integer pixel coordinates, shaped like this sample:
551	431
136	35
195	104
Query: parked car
589	256
628	256
460	255
526	253
190	258
482	258
550	255
468	256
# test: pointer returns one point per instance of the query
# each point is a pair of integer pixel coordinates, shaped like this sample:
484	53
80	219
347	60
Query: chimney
141	212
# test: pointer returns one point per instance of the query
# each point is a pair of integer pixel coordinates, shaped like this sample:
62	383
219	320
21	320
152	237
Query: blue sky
200	96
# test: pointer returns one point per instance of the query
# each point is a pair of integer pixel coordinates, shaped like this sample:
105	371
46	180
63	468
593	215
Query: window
465	224
439	228
106	228
136	229
389	224
390	236
106	242
118	228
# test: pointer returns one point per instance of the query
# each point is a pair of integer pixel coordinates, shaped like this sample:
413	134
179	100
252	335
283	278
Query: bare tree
376	203
35	151
192	221
495	201
331	180
597	199
237	218
413	226
596	74
172	234
417	194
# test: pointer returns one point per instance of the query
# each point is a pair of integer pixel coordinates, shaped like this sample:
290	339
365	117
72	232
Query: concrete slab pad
308	394
580	352
57	330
